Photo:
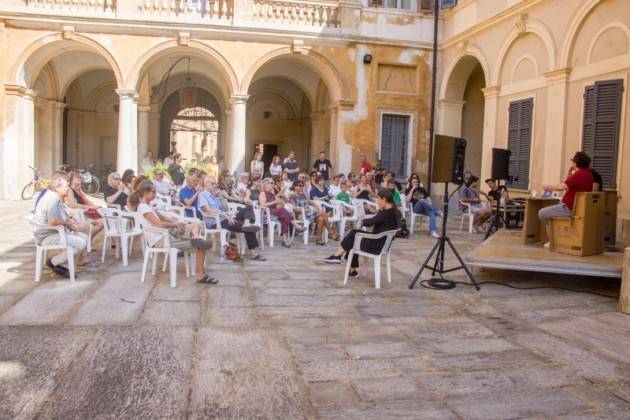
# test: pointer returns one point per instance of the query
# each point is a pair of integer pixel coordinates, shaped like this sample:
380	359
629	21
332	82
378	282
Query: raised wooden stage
505	250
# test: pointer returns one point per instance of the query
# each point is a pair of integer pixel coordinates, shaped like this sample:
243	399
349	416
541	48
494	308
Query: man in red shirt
365	165
580	180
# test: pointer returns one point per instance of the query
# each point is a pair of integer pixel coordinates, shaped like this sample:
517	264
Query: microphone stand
440	248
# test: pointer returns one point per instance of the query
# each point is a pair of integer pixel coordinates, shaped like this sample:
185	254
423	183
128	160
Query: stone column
237	141
19	140
127	151
450	122
491	95
555	132
340	151
57	133
144	113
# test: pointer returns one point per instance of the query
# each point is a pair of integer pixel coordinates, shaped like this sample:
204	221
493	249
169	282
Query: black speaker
449	155
500	164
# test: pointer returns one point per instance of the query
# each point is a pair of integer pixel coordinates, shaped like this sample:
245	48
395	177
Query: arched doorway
48	70
193	128
185	101
288	110
462	108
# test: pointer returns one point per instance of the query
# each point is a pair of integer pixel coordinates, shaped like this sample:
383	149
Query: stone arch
49	81
469	51
261	96
333	79
579	17
194	49
40	52
611	26
96	94
525	26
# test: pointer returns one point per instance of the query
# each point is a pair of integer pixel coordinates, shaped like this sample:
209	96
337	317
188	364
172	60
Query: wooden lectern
534	231
610	219
583	233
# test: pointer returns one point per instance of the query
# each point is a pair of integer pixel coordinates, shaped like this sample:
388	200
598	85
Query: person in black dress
387	218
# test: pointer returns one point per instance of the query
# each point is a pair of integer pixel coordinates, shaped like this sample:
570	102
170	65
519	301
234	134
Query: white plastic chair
163	246
352	216
466	213
304	222
385	252
361	205
334	217
258	214
115	227
273	224
79	216
42	250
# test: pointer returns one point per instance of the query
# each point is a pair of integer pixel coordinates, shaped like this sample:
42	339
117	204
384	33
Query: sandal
207	280
258	258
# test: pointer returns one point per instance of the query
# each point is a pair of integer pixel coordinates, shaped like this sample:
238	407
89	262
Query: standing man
365	165
581	180
49	211
291	167
176	171
323	166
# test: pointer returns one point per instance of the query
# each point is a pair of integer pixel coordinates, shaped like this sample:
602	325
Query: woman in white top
275	169
182	236
257	164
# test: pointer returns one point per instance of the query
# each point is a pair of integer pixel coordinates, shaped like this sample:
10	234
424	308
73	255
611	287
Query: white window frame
413	6
411	144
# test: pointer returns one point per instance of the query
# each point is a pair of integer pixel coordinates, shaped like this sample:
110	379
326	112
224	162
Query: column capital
239	99
491	91
558	76
127	94
452	103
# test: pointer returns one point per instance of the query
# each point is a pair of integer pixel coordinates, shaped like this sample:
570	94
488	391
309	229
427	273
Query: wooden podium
583	233
534	231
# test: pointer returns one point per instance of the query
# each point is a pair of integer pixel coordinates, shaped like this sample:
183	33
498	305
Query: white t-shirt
333	190
275	169
162	187
241	188
144	208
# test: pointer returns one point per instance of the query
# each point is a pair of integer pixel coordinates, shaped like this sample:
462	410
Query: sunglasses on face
116	179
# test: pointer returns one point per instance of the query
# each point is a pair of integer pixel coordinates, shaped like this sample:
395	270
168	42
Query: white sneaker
434	234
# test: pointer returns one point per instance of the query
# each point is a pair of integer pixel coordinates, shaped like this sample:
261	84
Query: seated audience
49	211
211	204
76	199
182	236
114	191
387	218
189	194
316	214
580	180
162	186
421	203
469	194
275	204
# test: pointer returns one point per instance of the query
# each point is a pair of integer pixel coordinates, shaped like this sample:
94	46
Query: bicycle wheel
96	186
28	191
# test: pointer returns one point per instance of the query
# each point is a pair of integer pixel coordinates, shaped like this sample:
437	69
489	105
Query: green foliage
149	171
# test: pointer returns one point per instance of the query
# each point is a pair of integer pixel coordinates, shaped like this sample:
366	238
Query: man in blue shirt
211	206
189	195
469	197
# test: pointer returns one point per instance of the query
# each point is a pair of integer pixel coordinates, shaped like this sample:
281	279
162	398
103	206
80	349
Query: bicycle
89	183
37	184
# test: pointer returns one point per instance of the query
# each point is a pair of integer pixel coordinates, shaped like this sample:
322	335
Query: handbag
232	254
92	214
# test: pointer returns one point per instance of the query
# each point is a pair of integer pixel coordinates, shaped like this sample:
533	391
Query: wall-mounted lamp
367	59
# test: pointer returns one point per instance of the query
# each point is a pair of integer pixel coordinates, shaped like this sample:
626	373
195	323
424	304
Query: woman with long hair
182	236
387	218
257	165
275	204
78	200
275	169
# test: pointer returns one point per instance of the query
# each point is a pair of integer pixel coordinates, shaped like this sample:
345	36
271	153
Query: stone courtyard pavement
286	339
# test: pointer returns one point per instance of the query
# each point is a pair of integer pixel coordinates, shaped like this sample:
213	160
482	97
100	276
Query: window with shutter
519	141
600	132
394	143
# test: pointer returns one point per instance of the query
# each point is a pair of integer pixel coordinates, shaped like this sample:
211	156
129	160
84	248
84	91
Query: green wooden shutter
519	140
600	132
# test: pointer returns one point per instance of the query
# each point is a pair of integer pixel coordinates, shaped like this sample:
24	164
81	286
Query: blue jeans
424	207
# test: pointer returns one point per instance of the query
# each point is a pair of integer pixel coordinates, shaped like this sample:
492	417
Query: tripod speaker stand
497	217
439	251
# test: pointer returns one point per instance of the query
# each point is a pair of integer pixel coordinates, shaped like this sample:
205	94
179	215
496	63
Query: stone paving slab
127	373
32	360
